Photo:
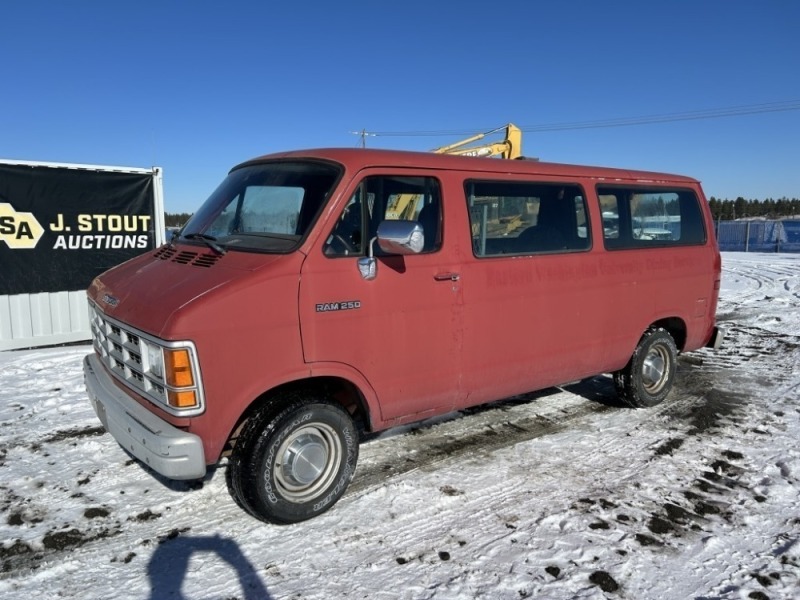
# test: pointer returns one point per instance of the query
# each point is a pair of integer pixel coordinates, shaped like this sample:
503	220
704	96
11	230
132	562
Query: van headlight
174	369
155	360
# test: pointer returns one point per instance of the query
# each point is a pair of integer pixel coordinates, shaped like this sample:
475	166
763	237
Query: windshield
266	207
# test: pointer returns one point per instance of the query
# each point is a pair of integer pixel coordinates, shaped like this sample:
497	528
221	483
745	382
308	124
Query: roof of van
359	158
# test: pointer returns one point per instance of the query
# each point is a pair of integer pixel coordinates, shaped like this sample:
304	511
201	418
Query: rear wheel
649	375
293	461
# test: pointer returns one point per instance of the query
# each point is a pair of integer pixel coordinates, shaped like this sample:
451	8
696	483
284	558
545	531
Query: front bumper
170	451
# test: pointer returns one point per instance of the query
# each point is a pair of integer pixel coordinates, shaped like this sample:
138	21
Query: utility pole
363	135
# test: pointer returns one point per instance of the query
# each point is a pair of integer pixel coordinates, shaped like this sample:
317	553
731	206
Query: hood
147	291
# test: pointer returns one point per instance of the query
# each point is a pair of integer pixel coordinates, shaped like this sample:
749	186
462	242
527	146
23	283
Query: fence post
747	238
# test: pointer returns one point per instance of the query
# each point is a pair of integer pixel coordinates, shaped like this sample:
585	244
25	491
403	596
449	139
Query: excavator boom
407	206
510	147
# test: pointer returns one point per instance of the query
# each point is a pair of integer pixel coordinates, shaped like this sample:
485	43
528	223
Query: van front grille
121	350
124	352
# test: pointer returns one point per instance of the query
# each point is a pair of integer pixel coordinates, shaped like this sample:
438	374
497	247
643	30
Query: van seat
539	239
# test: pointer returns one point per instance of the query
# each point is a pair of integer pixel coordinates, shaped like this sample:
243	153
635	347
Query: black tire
649	375
293	460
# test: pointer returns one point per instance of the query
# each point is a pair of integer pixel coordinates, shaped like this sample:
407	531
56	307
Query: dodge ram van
317	295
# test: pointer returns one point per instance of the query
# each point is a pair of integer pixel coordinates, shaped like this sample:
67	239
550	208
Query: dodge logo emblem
110	300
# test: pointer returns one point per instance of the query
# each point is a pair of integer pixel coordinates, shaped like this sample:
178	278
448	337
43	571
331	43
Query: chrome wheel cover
307	462
655	369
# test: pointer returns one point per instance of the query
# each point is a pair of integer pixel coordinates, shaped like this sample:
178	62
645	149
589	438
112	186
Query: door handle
447	277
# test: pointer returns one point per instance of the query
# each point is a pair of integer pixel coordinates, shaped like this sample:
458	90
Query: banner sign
61	227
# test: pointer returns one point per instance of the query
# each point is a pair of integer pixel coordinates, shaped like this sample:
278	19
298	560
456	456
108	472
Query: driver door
403	330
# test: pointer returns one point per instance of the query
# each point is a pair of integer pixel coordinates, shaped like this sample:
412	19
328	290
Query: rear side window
519	218
636	217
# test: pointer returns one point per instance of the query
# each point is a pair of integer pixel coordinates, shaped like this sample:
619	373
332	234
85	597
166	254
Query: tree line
729	210
176	219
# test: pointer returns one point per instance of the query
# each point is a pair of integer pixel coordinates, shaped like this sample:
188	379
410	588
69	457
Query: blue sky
196	87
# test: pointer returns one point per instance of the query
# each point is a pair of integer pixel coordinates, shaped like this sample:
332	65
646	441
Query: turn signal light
179	368
182	399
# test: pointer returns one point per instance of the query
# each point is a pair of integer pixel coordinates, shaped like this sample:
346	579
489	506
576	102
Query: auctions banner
61	227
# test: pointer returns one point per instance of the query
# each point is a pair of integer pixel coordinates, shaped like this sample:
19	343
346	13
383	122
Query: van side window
520	218
636	217
387	198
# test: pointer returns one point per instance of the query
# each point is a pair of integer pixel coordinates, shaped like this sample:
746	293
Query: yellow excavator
510	147
407	206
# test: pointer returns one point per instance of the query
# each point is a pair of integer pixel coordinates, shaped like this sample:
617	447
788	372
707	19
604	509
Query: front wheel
649	375
293	461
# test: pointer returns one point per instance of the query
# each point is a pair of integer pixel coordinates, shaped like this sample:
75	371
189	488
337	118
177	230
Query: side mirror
401	237
394	237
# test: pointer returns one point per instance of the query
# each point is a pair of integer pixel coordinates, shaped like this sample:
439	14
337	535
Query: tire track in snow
478	431
521	502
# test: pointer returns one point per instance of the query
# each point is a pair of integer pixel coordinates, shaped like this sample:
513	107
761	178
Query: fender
216	443
354	376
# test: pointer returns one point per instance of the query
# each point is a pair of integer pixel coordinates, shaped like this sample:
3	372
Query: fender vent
205	260
186	258
165	253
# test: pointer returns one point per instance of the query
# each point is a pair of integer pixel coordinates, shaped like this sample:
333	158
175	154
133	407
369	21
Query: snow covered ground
560	494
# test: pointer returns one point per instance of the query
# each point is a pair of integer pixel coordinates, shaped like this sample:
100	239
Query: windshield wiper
208	240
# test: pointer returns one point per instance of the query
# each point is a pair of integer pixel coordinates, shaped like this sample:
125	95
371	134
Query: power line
714	113
669	118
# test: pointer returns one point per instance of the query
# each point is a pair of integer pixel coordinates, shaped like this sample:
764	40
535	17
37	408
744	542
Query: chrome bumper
167	450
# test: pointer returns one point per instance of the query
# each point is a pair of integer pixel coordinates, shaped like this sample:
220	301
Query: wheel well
676	328
336	389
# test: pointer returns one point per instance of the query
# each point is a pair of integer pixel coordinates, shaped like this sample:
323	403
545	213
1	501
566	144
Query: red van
320	294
